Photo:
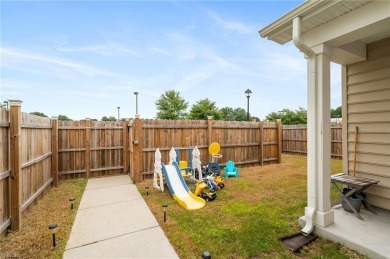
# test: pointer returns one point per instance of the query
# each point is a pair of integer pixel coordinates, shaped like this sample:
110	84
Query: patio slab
370	237
114	221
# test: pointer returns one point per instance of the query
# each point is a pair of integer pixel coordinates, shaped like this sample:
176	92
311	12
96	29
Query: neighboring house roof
313	14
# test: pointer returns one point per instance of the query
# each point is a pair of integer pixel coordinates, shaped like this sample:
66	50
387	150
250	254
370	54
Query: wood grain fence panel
4	171
294	139
240	141
36	157
91	146
71	149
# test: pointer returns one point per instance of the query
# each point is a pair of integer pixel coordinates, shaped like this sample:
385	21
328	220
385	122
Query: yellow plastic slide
179	189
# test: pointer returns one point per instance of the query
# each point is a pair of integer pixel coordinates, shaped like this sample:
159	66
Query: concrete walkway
113	221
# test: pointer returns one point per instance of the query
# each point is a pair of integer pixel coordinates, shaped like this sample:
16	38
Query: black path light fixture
118	111
206	255
136	103
248	93
71	199
147	190
165	206
53	230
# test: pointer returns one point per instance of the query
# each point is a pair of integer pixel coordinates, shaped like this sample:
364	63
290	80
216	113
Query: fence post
279	139
137	144
54	150
16	160
87	147
261	144
125	146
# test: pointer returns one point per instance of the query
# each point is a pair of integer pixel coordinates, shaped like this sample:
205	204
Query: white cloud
196	77
162	51
17	59
102	49
230	25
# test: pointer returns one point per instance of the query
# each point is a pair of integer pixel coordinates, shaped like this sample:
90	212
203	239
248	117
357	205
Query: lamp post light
71	199
136	103
248	93
147	190
118	111
53	229
165	206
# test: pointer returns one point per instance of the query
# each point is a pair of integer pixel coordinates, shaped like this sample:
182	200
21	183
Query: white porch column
319	145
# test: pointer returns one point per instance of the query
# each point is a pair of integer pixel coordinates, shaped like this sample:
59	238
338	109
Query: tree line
172	106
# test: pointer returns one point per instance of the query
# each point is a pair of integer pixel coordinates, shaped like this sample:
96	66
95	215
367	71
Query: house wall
366	88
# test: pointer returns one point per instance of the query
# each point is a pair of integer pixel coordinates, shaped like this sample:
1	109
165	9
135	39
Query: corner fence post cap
15	102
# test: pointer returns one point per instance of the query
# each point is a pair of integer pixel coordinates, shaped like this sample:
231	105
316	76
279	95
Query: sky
83	59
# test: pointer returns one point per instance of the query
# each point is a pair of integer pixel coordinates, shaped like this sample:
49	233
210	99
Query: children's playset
207	177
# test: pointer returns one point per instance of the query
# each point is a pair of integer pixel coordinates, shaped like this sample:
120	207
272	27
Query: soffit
313	14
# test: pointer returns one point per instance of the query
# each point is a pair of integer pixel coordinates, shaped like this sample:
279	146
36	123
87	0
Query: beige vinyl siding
368	108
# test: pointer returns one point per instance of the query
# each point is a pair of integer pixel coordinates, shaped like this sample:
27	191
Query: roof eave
286	20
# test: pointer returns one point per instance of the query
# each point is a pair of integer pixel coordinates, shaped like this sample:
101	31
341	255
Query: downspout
312	181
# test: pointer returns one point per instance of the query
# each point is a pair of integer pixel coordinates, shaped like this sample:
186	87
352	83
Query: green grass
248	217
34	239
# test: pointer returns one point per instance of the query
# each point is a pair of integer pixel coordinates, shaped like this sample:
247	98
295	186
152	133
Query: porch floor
370	237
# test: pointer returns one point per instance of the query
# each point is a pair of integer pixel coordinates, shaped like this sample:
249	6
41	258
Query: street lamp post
248	93
136	103
118	111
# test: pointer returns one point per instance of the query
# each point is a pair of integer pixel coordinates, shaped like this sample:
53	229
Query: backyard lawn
34	240
245	221
248	217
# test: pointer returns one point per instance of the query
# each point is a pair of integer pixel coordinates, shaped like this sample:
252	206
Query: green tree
241	114
336	113
111	118
203	108
171	106
63	118
227	114
40	114
230	114
289	117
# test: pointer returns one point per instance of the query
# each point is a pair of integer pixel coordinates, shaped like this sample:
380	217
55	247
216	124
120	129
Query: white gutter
296	37
312	179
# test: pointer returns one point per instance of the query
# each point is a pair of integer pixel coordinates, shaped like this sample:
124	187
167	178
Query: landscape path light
147	190
53	230
71	199
206	255
165	206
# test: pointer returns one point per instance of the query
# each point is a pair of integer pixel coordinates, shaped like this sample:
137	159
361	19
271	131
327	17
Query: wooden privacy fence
254	143
35	152
294	138
92	148
25	163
